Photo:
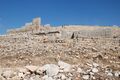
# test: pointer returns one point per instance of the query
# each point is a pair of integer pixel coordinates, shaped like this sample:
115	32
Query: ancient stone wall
98	33
32	26
36	23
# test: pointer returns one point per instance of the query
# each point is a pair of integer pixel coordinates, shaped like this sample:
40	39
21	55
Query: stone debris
70	52
53	72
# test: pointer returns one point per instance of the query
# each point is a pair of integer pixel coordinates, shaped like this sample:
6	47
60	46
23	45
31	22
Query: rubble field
36	52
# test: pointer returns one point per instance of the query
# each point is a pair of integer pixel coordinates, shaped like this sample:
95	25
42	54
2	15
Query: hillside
73	52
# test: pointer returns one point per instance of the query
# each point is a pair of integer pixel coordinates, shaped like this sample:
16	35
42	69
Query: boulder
86	77
31	68
23	70
8	74
40	70
46	77
95	65
117	73
79	70
94	70
109	74
63	77
65	66
51	69
21	75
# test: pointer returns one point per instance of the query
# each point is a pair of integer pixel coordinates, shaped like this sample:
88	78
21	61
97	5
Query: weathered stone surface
21	75
31	68
23	70
8	74
65	66
94	70
40	70
109	74
51	69
86	77
63	77
95	65
36	22
79	70
117	73
46	77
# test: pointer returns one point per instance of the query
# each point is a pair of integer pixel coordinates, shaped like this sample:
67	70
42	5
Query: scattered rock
90	49
57	72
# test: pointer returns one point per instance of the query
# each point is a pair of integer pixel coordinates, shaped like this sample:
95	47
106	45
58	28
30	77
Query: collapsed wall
32	26
71	31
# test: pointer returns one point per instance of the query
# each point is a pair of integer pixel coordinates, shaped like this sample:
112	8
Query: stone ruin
32	26
63	33
98	33
89	53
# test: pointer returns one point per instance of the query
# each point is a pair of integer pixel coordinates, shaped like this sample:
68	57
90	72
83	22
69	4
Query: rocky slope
36	52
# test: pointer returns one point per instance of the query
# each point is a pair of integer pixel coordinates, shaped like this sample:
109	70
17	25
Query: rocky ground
60	71
26	56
